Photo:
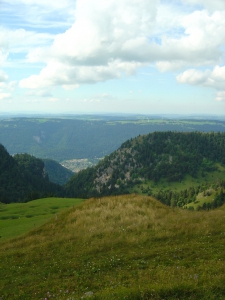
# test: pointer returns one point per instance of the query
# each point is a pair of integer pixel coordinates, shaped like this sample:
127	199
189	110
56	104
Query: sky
112	56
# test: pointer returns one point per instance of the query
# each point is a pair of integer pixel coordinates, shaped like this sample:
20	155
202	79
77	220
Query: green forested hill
23	178
168	155
57	173
65	139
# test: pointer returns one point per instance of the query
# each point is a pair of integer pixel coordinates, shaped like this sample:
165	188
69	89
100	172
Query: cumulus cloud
209	4
200	44
57	73
21	40
220	96
4	95
104	42
209	78
6	88
3	76
38	13
112	38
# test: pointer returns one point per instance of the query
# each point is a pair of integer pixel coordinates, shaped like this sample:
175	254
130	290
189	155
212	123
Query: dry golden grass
123	247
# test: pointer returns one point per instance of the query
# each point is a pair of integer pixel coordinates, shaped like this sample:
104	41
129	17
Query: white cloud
21	40
3	76
210	78
211	5
200	44
52	99
39	93
3	53
4	96
57	73
109	38
98	45
53	4
8	86
38	13
220	96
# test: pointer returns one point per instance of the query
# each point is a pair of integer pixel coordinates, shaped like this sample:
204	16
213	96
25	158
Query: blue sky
100	56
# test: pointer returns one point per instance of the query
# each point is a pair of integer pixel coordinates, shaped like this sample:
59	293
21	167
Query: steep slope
56	172
23	178
125	247
169	155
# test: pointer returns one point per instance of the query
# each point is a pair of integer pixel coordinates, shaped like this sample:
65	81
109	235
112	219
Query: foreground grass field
18	218
125	247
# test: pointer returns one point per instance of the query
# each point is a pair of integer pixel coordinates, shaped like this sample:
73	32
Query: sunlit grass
18	218
185	183
125	247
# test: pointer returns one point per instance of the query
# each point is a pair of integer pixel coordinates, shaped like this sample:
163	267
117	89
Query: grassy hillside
18	218
125	247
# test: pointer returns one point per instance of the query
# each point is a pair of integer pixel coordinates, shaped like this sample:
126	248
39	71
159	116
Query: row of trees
186	196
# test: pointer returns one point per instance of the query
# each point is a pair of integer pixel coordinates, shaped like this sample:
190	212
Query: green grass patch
18	218
124	247
185	183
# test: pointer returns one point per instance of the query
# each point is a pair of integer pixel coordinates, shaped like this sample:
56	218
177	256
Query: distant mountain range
88	137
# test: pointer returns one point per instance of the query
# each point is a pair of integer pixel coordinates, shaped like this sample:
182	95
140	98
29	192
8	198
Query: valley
77	165
88	137
145	222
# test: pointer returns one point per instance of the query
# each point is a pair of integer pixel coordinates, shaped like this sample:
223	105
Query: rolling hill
113	248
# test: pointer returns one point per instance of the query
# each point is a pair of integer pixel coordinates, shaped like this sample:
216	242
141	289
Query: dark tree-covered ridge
23	178
170	155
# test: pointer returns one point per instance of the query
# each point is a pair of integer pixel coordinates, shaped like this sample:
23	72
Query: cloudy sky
127	56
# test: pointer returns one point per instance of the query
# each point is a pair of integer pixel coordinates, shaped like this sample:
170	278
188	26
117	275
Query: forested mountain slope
56	172
65	139
23	178
169	155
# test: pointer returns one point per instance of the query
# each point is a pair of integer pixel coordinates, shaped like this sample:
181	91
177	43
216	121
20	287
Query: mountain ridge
157	155
23	178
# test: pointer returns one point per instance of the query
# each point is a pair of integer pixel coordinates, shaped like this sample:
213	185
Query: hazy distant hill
64	139
23	178
169	155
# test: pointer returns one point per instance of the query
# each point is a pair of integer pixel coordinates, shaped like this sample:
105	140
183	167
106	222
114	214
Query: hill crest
168	155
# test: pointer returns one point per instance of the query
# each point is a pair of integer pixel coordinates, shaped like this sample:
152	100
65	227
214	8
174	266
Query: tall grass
125	247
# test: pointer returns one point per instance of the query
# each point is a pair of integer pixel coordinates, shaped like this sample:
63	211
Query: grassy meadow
125	247
18	218
188	181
